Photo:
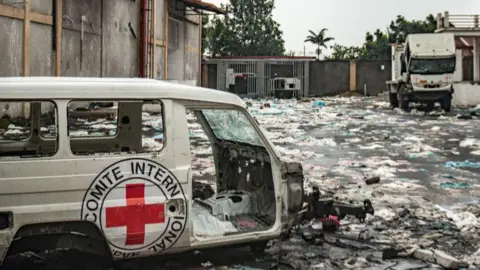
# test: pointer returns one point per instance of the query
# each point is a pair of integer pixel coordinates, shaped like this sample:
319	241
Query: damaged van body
112	176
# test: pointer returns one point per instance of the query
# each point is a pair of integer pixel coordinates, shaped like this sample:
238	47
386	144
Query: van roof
108	88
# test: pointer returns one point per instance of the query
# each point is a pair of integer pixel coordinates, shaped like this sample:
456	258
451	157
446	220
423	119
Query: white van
103	167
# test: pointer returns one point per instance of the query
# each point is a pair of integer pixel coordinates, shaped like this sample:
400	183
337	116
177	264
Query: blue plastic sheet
462	164
318	104
452	185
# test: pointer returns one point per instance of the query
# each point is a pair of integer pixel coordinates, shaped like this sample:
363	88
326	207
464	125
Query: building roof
28	88
198	4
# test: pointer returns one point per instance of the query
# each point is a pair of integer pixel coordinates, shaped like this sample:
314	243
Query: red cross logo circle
138	204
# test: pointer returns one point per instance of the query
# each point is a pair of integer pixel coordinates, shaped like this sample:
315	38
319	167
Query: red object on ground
330	223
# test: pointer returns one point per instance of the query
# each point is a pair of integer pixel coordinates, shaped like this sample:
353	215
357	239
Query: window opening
96	127
28	128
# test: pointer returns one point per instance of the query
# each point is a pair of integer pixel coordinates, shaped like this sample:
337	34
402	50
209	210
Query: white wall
458	74
466	94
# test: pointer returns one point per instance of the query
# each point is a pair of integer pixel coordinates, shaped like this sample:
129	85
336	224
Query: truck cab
423	70
106	169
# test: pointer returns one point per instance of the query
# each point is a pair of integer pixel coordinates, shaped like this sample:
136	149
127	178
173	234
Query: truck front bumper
428	95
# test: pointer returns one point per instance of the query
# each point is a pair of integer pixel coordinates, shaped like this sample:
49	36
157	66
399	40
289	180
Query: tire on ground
71	245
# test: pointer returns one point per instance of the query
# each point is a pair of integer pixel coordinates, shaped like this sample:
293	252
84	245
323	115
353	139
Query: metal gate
262	77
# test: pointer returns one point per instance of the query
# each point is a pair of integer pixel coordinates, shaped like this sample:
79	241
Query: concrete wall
330	77
371	76
466	94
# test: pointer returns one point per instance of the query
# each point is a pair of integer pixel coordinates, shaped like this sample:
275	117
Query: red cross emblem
135	215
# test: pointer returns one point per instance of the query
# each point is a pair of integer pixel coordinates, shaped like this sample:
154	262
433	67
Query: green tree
340	52
248	30
377	44
319	39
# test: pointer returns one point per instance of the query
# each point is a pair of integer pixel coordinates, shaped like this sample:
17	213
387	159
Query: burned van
130	168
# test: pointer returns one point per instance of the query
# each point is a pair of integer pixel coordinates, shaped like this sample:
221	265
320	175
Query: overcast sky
349	20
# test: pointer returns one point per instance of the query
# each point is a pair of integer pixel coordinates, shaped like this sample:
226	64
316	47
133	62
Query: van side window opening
103	127
240	198
28	129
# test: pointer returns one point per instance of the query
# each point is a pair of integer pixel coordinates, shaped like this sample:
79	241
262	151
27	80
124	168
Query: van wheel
446	103
49	252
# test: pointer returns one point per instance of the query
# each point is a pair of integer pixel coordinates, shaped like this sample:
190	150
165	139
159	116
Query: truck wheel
446	103
402	99
393	100
430	106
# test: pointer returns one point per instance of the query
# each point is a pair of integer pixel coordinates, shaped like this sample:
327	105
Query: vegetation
248	30
376	46
319	39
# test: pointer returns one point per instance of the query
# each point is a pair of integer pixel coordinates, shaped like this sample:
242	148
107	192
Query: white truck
422	71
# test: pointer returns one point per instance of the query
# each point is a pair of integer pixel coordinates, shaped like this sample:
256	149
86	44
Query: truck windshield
432	66
232	125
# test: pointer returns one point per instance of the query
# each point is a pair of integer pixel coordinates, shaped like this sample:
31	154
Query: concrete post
446	20
476	59
439	21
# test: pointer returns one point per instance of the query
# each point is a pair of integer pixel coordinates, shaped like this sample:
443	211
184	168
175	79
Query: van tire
64	245
53	252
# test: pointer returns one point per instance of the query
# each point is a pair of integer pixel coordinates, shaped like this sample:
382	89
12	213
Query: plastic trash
318	104
372	180
452	185
462	164
158	137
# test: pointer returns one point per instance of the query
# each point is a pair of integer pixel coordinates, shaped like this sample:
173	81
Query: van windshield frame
232	125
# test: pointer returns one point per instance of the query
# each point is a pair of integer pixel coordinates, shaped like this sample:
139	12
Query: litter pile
419	171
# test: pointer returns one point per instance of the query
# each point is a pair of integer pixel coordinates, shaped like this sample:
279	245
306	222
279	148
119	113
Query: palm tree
319	39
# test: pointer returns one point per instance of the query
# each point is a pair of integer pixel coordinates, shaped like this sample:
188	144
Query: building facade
158	39
466	29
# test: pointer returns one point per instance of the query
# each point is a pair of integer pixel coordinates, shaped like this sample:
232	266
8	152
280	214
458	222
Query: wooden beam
26	50
19	13
26	39
154	46
58	37
200	70
157	42
165	39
